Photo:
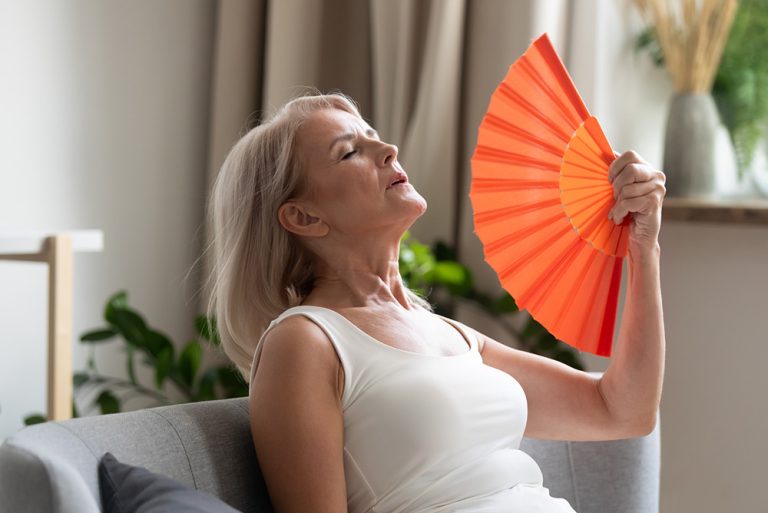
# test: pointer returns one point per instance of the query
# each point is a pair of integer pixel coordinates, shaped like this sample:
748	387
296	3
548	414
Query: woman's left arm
632	384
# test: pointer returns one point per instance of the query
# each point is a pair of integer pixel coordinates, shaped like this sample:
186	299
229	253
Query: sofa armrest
37	474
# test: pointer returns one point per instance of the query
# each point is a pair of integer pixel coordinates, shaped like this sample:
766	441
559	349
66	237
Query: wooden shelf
749	211
31	243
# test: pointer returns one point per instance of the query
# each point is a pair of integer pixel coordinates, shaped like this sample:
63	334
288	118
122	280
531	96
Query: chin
410	215
420	205
424	209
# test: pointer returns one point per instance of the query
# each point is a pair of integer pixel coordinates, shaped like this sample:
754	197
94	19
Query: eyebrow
351	135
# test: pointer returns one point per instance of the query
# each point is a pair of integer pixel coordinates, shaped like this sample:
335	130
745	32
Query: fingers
633	173
637	186
617	166
624	207
642	197
637	189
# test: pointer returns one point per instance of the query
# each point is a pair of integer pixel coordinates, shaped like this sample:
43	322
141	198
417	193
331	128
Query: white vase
690	146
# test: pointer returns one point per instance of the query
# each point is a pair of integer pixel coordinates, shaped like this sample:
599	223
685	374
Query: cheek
349	199
351	188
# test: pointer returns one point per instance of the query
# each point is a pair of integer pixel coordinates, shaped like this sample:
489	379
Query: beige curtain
421	70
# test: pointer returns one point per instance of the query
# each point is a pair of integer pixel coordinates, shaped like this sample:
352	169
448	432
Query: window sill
747	211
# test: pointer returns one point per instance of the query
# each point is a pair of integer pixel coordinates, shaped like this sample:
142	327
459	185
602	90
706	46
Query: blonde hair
258	268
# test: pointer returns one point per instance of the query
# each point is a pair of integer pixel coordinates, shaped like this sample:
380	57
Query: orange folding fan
540	197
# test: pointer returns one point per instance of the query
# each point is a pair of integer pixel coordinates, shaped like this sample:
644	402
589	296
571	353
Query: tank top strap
358	352
464	330
338	332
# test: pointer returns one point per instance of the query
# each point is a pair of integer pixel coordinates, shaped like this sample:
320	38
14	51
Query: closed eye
347	155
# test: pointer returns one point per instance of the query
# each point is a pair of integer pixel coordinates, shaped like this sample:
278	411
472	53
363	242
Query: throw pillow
128	489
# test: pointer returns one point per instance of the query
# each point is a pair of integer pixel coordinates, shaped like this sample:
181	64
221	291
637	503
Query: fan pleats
541	197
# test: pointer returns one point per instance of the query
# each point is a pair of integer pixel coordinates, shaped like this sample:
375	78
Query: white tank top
428	433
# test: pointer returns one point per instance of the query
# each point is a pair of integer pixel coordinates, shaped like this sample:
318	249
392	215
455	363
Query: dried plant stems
692	37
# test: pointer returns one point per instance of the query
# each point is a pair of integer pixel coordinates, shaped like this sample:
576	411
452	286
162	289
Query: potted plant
99	393
690	38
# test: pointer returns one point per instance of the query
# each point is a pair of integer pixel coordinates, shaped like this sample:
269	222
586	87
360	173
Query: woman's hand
638	188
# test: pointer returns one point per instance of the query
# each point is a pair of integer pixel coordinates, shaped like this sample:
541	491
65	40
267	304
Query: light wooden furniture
725	210
56	250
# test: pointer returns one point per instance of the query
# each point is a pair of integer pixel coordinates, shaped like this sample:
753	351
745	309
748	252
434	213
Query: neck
352	284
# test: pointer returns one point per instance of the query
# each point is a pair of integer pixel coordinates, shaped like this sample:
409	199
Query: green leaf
505	304
189	361
568	357
426	271
407	255
80	378
454	277
98	335
450	273
647	40
206	327
421	251
547	342
232	382
107	402
740	88
129	367
482	299
118	300
37	418
443	251
157	342
533	329
206	386
163	365
130	325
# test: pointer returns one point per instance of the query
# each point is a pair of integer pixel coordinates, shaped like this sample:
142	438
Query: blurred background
116	116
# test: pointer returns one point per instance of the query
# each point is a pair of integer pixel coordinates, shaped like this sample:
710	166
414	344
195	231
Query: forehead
324	125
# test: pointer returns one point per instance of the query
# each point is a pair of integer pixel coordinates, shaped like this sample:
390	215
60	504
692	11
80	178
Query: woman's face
349	171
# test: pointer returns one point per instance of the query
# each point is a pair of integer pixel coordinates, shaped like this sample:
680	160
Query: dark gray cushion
128	489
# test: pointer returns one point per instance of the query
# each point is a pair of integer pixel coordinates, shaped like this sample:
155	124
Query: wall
104	126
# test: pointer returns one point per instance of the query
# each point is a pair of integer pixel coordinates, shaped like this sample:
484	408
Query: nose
387	154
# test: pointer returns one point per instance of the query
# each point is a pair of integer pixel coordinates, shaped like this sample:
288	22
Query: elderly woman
362	399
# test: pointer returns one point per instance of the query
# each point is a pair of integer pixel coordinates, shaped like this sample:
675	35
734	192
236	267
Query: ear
297	219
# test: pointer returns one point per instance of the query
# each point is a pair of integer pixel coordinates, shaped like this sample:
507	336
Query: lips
398	177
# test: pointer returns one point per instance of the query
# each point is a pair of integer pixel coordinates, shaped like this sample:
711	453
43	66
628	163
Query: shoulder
297	345
297	336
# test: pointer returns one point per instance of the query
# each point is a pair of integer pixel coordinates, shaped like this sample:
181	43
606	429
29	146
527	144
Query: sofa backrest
206	445
52	467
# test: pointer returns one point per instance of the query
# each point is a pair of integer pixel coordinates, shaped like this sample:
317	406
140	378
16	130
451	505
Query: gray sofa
51	467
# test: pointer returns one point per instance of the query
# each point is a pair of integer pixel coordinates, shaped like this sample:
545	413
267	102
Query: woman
365	400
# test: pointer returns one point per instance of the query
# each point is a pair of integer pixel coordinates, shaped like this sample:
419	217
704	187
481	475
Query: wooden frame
57	252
